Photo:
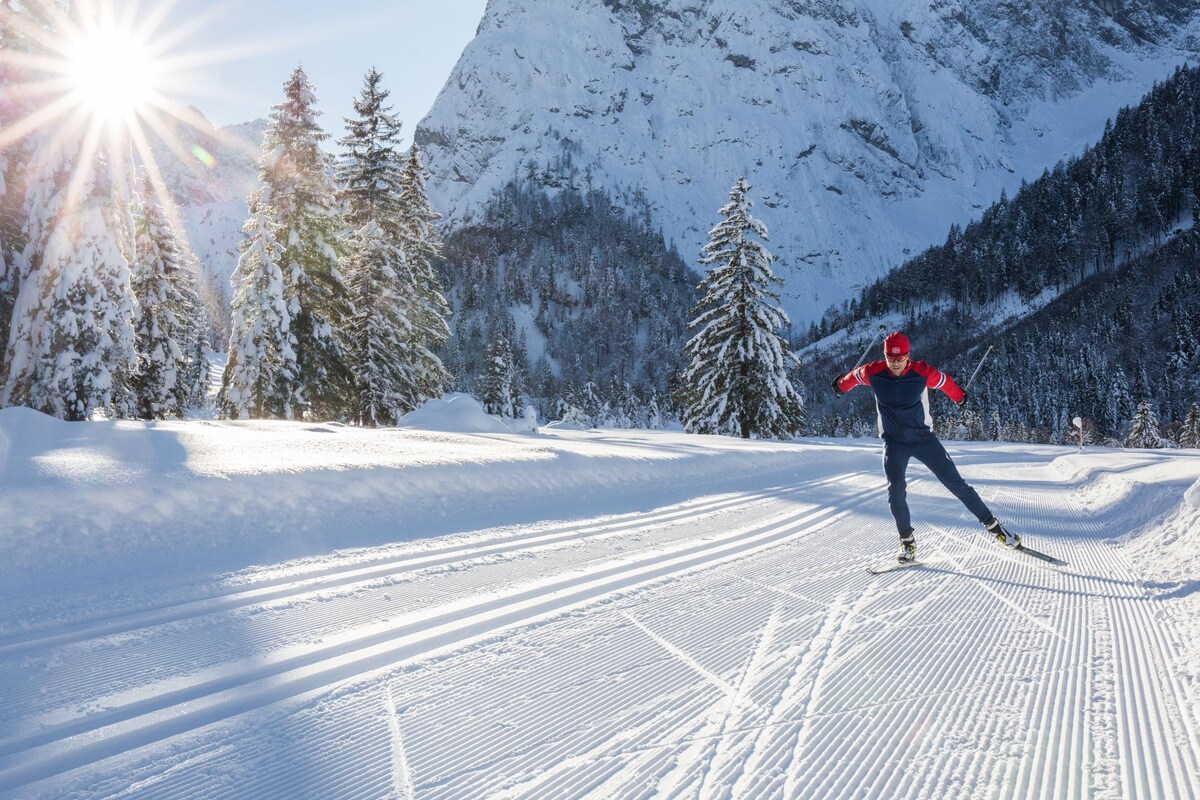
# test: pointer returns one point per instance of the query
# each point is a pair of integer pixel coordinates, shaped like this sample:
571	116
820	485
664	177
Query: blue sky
251	46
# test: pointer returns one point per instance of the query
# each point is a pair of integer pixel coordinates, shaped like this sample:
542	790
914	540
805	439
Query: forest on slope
1108	234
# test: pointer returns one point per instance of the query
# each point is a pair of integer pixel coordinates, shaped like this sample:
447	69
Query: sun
90	85
110	73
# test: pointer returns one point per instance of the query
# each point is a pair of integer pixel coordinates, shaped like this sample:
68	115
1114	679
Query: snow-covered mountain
867	127
210	173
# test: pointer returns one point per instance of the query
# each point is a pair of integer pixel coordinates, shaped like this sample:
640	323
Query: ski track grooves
157	717
281	588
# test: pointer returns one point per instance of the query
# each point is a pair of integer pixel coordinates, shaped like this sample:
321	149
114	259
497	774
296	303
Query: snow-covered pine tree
394	369
197	340
163	288
498	386
8	283
371	168
300	197
385	388
1189	436
260	373
737	376
1143	430
71	345
427	310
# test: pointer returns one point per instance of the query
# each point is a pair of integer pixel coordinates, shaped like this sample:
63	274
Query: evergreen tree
385	388
394	367
371	169
164	314
197	327
260	373
298	199
499	389
8	283
1143	431
739	363
70	349
427	310
1189	436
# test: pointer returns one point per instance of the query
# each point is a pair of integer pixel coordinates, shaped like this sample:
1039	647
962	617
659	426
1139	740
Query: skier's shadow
1141	590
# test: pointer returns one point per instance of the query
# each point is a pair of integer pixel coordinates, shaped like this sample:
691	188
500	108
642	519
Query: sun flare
111	74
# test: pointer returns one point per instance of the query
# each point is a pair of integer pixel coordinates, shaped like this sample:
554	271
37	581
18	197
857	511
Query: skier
901	388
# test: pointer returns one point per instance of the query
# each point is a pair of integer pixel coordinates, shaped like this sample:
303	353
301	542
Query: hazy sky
253	45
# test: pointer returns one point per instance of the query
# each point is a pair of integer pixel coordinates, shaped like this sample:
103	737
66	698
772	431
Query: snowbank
456	412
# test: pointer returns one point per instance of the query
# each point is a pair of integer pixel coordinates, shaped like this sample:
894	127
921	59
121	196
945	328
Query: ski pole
976	372
870	344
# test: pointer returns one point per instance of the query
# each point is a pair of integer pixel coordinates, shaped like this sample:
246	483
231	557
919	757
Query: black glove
962	403
837	389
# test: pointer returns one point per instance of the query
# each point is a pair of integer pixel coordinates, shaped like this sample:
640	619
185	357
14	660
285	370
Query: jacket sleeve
936	379
860	376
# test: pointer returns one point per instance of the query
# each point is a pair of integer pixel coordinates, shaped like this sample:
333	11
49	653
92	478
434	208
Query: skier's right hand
837	389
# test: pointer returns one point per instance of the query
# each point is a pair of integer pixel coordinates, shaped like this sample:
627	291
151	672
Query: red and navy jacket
902	401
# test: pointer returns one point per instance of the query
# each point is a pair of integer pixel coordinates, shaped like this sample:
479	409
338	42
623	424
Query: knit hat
896	344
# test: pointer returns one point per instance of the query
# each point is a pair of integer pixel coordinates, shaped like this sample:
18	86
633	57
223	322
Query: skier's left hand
962	403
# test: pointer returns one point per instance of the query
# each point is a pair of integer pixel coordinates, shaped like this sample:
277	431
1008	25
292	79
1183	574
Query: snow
448	609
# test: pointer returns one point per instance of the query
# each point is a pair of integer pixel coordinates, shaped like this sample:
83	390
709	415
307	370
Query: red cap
895	344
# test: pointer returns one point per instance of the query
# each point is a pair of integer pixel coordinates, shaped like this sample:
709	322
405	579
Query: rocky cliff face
867	127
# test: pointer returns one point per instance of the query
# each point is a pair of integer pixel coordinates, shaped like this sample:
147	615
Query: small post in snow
1078	423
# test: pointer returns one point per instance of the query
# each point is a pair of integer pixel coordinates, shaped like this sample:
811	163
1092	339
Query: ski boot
1002	535
908	549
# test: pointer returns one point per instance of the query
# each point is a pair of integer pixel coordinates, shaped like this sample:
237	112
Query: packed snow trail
724	645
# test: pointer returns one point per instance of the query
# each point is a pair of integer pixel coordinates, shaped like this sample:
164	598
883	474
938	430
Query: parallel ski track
985	674
68	745
207	645
1013	703
263	591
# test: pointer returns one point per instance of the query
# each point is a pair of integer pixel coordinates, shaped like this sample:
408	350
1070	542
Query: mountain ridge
866	130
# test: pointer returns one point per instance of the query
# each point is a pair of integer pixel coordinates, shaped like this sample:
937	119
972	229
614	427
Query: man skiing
901	388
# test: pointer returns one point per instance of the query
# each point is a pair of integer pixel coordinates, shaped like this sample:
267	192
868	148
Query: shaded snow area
252	610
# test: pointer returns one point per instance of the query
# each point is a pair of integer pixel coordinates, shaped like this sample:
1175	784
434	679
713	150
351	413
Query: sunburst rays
98	78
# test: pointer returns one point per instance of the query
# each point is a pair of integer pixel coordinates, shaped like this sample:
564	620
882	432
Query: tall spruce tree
299	199
371	169
1143	430
8	282
260	378
379	347
499	386
426	307
70	349
394	368
738	363
1189	436
165	321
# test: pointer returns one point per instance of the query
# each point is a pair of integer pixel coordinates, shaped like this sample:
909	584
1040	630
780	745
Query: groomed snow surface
252	610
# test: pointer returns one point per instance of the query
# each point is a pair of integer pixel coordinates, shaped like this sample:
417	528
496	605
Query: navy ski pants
928	451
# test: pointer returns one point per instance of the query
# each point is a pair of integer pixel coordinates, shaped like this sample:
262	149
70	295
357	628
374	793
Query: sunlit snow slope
280	610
